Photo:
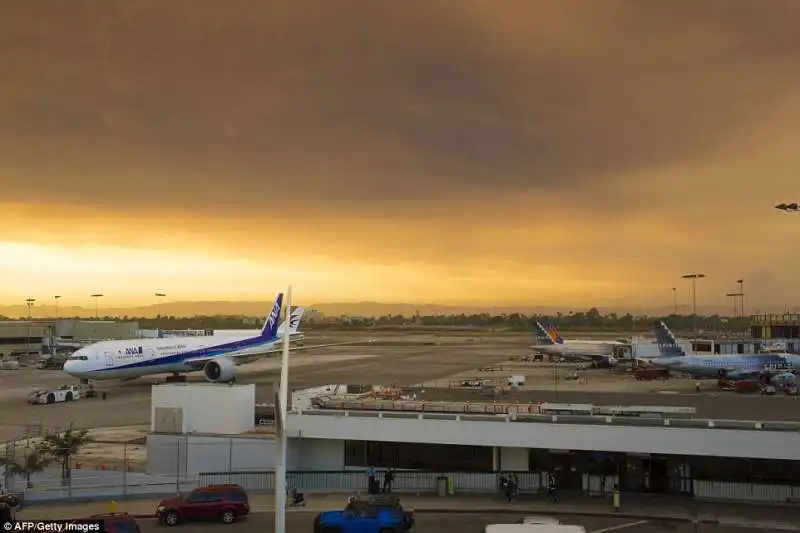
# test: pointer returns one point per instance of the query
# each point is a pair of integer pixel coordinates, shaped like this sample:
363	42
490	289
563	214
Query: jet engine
220	369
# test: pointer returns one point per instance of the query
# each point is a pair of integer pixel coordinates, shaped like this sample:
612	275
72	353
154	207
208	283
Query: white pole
280	415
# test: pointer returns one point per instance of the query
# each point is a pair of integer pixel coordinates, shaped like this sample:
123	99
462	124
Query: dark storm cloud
359	101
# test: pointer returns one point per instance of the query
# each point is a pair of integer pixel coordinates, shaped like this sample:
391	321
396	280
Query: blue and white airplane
216	356
550	342
778	368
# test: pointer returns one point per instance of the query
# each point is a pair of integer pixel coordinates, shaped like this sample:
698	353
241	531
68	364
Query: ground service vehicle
361	519
225	503
64	393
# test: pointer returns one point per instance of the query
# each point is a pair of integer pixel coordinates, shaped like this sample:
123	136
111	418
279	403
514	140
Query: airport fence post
125	467
178	466
230	456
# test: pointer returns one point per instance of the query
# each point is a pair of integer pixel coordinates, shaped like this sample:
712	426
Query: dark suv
226	503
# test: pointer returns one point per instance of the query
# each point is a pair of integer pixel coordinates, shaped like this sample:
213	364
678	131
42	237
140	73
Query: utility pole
694	277
741	294
96	305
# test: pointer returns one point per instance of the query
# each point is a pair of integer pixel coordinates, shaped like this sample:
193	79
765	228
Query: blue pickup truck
379	515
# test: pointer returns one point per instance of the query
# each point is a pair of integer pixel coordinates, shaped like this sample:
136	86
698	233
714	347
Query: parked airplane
294	328
216	356
778	368
548	341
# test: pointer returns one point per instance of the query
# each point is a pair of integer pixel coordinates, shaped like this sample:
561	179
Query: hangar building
20	337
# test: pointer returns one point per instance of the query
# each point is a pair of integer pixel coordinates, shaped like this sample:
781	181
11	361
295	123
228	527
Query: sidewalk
634	507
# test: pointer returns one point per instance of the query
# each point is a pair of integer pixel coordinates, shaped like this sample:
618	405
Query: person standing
388	479
371	482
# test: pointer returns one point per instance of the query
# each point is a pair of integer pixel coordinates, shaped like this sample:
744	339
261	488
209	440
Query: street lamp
96	309
28	304
734	295
56	299
675	301
160	296
694	277
793	207
741	294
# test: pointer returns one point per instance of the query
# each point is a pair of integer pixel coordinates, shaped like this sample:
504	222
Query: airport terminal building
330	449
34	337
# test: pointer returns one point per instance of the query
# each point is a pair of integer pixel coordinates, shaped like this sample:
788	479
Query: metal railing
561	418
420	482
356	481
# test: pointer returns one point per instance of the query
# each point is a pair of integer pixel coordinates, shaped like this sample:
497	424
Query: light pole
96	304
675	301
694	277
28	304
56	300
159	295
741	294
734	295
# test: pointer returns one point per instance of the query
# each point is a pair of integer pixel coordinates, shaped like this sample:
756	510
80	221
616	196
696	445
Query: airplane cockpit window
77	358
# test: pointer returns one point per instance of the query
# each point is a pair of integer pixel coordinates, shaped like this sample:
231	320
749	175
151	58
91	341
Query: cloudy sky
463	151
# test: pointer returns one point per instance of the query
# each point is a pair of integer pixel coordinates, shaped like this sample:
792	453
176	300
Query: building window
419	456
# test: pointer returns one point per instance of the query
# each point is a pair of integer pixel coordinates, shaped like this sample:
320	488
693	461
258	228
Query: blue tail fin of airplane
668	344
270	329
543	334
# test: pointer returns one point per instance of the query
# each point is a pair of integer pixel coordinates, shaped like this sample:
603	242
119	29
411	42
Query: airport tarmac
391	359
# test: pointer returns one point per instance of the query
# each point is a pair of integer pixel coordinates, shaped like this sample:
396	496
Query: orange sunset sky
582	153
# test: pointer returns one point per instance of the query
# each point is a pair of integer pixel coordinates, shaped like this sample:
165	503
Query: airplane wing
197	363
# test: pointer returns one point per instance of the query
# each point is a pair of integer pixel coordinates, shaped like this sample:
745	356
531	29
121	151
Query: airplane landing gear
176	378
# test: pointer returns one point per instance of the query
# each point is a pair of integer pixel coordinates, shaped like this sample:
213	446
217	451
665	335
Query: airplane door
109	359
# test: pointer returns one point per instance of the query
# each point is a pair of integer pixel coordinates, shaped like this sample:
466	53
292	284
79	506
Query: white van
533	528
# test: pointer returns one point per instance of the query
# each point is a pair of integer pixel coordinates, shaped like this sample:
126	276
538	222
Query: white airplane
216	356
294	328
550	342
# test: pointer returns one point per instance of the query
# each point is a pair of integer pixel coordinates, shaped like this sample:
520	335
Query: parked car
381	514
114	522
226	503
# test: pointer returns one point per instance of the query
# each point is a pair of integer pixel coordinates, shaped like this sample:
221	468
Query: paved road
301	522
457	523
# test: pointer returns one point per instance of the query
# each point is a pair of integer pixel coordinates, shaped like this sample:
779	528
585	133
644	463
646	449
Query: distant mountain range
362	309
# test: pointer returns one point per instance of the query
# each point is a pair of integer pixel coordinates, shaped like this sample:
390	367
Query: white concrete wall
166	454
496	431
515	459
193	454
229	454
315	454
208	407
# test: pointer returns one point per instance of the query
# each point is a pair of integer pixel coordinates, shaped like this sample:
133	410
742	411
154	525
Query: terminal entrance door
645	473
658	474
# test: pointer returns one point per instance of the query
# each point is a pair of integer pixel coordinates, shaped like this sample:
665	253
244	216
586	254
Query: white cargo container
203	408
